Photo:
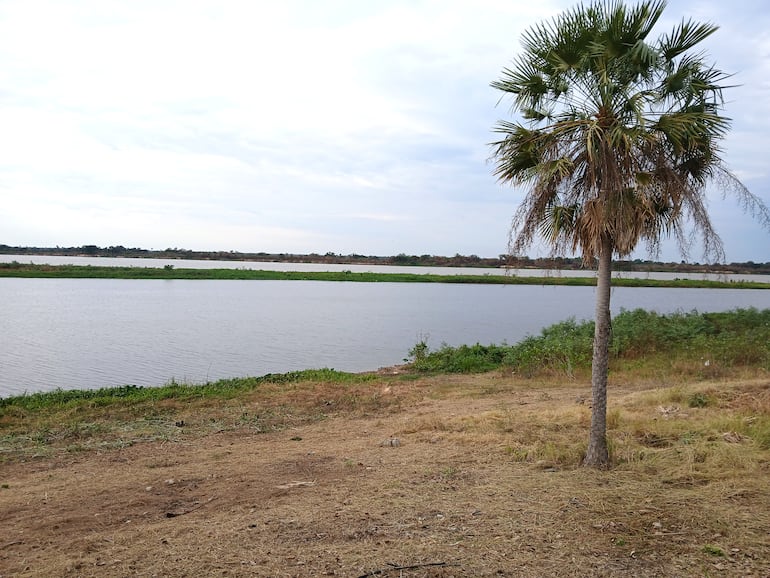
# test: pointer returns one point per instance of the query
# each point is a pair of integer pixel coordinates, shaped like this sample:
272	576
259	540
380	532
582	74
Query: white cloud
294	126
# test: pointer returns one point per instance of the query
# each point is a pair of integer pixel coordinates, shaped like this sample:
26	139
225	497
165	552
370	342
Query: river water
89	333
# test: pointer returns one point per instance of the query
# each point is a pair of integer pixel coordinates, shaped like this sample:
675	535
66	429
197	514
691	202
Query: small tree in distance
619	139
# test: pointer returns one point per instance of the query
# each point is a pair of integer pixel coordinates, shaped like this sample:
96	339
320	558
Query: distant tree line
425	260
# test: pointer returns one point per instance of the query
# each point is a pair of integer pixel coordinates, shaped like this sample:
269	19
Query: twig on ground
9	544
397	567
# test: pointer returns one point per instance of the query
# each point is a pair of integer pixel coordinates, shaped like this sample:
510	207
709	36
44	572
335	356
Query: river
89	333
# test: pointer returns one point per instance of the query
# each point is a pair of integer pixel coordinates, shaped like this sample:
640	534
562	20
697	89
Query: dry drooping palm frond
619	133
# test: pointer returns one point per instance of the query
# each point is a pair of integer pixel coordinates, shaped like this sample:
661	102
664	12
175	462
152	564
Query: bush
729	339
463	359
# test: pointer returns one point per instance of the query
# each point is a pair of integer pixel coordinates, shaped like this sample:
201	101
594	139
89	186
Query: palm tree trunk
597	455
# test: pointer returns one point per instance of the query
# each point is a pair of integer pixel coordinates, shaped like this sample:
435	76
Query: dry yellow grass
484	480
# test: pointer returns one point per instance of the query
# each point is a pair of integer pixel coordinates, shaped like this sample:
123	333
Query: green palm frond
622	131
685	36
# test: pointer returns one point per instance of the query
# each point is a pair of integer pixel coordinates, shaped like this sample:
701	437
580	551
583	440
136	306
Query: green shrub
728	339
698	400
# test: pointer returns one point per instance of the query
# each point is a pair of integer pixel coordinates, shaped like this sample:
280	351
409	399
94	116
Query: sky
301	126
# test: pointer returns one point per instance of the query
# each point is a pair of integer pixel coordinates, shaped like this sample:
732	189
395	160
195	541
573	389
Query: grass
656	425
16	269
701	345
132	394
42	423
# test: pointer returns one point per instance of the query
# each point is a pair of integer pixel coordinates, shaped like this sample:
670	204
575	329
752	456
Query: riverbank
403	475
421	470
28	270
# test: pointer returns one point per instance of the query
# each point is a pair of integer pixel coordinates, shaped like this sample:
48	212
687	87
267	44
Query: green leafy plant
698	400
713	550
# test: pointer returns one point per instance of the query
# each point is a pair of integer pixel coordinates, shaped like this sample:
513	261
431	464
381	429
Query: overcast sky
351	126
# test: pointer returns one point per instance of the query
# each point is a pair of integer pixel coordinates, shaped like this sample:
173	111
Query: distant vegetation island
556	263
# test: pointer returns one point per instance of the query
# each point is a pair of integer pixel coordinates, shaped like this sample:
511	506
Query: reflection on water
87	333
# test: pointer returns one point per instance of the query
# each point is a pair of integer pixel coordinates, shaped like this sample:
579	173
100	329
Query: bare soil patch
456	479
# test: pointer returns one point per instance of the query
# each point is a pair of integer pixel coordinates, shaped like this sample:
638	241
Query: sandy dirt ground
406	493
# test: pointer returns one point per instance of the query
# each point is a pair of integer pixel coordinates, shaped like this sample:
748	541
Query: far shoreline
502	261
15	269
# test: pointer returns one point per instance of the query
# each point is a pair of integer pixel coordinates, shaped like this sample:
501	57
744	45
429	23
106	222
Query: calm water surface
88	333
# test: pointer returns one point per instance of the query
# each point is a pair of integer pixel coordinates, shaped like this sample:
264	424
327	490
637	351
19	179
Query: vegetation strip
707	343
698	345
16	269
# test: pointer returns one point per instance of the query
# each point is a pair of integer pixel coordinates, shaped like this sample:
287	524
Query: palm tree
619	139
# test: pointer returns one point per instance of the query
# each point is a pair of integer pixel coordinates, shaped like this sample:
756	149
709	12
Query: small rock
392	442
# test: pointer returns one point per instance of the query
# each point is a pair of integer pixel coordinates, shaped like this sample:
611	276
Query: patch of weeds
118	444
43	436
713	550
689	438
620	542
463	359
256	422
563	455
699	400
217	425
5	486
420	349
519	454
82	431
760	433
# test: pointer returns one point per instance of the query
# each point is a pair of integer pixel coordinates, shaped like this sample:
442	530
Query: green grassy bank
696	345
681	347
29	270
702	345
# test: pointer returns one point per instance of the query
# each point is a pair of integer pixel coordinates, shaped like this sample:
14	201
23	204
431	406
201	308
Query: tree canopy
619	134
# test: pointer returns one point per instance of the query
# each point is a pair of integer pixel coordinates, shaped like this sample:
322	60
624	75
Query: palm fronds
619	134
